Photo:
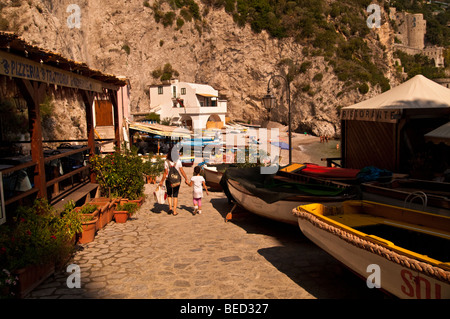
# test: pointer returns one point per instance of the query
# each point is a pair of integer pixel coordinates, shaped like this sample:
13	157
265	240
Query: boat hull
397	273
280	211
213	177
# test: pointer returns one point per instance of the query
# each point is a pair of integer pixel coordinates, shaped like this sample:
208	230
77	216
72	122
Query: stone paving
159	256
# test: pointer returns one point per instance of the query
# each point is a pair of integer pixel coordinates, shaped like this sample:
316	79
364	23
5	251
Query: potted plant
89	229
33	242
110	206
124	211
7	283
102	207
89	210
69	226
153	168
120	174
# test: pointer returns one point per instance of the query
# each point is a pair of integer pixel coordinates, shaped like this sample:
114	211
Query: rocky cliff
123	38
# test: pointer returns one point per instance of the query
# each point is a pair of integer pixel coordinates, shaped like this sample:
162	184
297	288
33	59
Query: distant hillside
324	47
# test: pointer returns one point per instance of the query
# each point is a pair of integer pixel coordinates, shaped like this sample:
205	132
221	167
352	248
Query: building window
183	91
174	90
160	90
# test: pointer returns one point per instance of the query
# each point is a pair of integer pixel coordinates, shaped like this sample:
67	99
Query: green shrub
130	207
363	88
120	174
318	77
126	48
37	235
153	117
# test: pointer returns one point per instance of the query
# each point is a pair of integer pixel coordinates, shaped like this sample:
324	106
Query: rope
390	255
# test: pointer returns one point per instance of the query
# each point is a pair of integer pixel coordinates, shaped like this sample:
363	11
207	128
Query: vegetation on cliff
335	31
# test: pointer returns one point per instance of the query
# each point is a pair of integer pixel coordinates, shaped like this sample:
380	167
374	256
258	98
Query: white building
188	104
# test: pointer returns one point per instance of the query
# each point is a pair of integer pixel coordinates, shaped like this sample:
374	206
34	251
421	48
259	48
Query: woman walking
172	170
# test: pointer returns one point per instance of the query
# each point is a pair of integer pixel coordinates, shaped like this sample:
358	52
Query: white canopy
204	90
441	134
416	93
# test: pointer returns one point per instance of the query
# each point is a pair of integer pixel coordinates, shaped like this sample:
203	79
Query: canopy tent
439	135
418	93
388	130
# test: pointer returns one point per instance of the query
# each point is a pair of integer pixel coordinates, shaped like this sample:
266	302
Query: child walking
199	183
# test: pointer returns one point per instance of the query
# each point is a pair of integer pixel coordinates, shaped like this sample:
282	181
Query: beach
298	155
156	255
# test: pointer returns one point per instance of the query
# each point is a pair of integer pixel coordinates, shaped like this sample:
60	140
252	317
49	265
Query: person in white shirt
199	183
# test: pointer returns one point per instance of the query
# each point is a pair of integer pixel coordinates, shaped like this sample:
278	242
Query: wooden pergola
33	69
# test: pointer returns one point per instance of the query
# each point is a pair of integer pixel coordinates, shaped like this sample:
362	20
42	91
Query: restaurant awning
439	135
161	130
22	59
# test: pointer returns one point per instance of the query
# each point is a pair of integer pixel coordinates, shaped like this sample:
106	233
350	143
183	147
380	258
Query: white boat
276	201
404	252
212	177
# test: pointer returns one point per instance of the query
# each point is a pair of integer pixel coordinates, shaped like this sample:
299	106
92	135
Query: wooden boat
274	197
401	251
429	196
212	176
346	175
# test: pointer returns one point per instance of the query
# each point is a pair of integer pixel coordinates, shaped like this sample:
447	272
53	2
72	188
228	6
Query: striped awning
439	135
161	130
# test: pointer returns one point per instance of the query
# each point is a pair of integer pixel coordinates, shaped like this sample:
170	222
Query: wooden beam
113	98
34	94
88	98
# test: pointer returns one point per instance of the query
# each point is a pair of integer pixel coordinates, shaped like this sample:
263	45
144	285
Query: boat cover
271	190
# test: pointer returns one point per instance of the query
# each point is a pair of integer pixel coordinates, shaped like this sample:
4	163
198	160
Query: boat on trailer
404	252
274	196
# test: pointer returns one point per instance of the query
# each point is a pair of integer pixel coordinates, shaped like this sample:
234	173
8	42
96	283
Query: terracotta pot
121	216
112	205
103	208
30	277
93	215
89	230
138	201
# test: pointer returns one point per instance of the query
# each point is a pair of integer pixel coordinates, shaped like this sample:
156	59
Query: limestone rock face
123	38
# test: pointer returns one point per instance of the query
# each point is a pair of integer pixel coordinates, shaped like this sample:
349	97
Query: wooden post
88	98
113	98
34	94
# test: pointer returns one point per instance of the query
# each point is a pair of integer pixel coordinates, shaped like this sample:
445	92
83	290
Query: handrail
65	176
21	195
18	167
65	154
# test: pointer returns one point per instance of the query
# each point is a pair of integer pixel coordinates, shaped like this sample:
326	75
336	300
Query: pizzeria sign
18	67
